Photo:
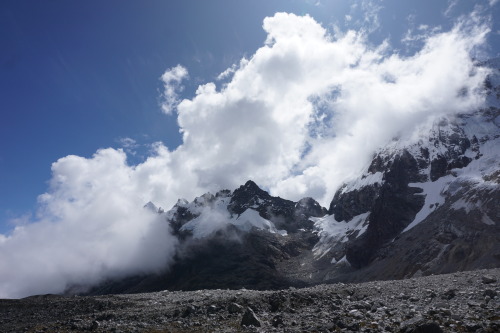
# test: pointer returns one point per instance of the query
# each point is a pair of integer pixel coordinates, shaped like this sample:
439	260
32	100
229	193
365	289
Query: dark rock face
347	205
308	207
393	205
455	239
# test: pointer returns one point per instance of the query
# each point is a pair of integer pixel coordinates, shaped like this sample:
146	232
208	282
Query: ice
332	232
367	179
251	219
433	198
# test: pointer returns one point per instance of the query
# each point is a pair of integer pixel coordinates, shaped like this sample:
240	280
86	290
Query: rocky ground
459	302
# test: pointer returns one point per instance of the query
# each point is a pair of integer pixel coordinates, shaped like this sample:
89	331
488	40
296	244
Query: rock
250	319
422	327
95	325
277	321
189	310
490	293
449	294
487	279
356	314
276	303
473	304
234	308
212	309
441	305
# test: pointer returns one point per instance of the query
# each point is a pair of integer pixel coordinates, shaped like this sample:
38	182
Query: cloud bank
304	113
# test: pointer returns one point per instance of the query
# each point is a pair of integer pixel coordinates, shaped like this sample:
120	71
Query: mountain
423	206
427	203
231	240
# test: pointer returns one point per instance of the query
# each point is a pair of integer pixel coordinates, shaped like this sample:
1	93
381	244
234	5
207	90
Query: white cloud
261	125
364	15
91	226
371	9
128	142
493	2
172	79
301	115
451	6
411	38
129	145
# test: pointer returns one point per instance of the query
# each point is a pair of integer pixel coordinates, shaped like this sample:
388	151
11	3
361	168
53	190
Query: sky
106	105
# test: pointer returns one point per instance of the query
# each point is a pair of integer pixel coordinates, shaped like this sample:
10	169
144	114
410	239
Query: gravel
458	302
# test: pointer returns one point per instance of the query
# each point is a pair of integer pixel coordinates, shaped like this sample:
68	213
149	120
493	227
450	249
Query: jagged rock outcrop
394	206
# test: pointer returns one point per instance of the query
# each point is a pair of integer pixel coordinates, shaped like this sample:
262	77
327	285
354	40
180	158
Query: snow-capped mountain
427	203
246	208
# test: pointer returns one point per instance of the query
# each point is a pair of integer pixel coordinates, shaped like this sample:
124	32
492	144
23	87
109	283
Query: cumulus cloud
308	109
172	79
90	227
304	113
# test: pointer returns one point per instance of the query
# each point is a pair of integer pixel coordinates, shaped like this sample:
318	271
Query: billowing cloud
307	110
90	227
304	113
172	79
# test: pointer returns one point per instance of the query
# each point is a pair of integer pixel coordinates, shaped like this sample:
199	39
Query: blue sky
77	76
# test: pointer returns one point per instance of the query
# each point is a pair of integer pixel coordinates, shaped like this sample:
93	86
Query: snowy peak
246	208
450	164
249	196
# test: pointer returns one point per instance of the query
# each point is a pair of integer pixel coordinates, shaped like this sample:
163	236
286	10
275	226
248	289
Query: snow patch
251	219
366	180
487	220
464	204
209	220
342	261
433	192
332	232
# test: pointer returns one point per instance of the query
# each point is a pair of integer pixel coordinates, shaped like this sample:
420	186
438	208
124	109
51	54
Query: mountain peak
151	206
250	184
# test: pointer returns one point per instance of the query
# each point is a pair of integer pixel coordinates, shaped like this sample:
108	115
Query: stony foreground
459	302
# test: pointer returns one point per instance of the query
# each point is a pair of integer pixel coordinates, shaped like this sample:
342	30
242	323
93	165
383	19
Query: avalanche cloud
300	116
